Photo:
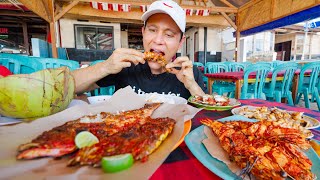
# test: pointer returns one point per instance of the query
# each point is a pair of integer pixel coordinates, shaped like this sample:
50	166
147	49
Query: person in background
4	71
163	33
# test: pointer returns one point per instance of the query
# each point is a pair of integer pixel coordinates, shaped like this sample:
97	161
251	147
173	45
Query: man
164	25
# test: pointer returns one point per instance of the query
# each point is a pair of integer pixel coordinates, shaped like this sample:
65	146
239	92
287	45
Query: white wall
124	39
214	42
315	44
68	36
228	45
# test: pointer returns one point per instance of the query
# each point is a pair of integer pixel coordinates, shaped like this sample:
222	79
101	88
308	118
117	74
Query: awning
301	16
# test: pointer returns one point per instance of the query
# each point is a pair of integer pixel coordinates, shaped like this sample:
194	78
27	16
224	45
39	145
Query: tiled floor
313	106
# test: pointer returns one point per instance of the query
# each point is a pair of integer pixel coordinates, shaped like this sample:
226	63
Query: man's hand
122	58
185	74
86	78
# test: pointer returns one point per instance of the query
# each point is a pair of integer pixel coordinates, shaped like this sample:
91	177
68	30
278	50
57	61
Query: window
94	37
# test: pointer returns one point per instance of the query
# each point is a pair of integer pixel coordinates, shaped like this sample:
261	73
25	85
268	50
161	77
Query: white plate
151	97
314	123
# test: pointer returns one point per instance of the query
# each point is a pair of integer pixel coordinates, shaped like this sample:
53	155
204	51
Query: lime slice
85	139
116	163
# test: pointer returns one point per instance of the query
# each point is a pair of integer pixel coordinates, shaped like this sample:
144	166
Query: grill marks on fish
125	132
139	140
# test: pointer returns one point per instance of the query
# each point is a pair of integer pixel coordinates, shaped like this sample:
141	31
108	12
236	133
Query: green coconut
36	95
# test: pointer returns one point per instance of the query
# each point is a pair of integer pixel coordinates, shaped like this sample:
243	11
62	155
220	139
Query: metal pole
205	45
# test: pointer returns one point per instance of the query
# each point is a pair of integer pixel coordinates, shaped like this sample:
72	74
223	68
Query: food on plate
117	163
279	116
155	57
264	149
132	132
36	95
214	100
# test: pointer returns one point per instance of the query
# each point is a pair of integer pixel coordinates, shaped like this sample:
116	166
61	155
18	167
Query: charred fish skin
59	141
278	150
139	140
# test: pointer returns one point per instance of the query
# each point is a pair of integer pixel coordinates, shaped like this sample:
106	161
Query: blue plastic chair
281	89
56	63
309	87
102	90
21	64
255	90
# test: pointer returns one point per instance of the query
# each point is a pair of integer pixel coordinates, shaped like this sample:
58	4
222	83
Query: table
181	164
237	78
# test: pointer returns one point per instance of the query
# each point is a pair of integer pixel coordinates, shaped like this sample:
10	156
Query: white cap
168	7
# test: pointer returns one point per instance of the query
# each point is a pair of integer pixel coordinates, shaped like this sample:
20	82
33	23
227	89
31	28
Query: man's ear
142	29
182	41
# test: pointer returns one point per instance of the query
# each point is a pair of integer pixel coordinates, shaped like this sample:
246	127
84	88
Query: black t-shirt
141	79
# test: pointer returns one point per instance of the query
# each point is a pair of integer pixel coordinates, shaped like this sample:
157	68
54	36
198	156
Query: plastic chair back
257	86
217	67
56	63
198	64
235	67
276	63
206	67
264	63
285	85
21	64
313	79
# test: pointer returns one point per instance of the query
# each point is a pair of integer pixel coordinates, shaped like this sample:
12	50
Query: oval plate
314	123
233	103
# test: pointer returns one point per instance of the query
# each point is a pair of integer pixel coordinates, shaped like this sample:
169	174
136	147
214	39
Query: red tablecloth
181	164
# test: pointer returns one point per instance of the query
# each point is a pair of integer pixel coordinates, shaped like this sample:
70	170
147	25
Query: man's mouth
157	52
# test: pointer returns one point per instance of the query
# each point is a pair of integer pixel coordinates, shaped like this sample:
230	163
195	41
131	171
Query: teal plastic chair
220	87
276	63
198	64
103	90
56	63
236	66
309	87
217	67
21	64
281	89
255	89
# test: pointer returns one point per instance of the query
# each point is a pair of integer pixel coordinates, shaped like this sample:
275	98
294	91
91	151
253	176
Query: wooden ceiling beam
228	3
13	13
66	9
227	18
135	3
16	5
82	11
37	7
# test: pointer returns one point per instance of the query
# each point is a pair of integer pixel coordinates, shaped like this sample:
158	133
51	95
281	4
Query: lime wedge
85	139
116	163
